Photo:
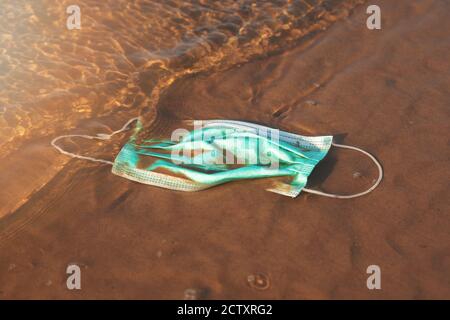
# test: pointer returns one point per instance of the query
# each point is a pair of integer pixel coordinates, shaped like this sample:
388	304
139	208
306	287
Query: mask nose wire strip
337	196
99	136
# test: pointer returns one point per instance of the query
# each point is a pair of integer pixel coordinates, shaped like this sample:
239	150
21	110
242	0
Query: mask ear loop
99	136
337	196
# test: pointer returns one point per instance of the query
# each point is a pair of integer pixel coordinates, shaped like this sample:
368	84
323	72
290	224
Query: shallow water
117	66
127	52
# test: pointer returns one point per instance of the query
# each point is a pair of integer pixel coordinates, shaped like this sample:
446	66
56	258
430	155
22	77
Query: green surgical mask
220	151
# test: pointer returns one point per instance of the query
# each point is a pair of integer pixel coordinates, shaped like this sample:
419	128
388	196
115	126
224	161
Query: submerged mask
219	151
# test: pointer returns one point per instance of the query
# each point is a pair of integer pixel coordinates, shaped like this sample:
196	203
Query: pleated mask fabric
214	152
220	151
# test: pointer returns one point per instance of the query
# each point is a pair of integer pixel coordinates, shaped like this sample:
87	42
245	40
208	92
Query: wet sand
385	91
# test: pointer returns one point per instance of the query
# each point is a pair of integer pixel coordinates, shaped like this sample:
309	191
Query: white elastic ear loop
380	177
99	136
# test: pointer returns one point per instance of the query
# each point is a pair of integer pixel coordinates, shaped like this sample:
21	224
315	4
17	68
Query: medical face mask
214	152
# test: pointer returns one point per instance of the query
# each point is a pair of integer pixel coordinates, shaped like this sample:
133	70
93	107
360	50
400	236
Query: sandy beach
386	91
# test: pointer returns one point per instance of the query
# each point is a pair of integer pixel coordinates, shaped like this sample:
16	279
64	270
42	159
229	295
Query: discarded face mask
220	151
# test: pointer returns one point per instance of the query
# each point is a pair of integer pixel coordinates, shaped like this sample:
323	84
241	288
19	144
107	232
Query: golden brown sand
385	91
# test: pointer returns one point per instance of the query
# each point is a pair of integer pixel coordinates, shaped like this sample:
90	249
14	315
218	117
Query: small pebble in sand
11	267
159	253
191	294
49	283
259	281
357	174
33	264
